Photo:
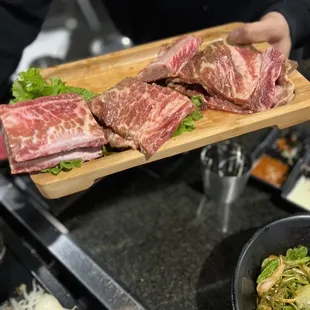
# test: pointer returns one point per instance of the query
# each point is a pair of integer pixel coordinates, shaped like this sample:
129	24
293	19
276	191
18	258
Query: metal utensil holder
226	169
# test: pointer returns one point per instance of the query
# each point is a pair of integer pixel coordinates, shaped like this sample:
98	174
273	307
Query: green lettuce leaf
296	253
66	165
31	85
268	270
81	91
188	122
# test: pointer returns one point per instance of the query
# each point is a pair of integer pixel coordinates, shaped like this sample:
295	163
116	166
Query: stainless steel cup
226	168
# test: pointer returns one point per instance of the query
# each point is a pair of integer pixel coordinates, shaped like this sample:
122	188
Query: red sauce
271	170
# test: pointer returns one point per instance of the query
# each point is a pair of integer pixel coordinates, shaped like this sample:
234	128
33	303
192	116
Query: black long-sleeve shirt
144	21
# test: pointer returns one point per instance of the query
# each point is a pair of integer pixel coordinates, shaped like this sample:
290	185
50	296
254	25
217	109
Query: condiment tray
292	181
268	148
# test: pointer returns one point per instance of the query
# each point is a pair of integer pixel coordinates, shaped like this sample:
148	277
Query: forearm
297	14
20	23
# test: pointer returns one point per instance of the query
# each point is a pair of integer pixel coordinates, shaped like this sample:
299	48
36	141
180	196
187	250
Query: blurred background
73	30
83	28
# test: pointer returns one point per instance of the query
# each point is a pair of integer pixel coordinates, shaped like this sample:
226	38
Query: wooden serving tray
100	73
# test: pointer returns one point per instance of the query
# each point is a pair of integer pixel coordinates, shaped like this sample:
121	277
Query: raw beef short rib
38	164
238	79
118	141
171	59
50	125
229	72
285	88
145	114
42	132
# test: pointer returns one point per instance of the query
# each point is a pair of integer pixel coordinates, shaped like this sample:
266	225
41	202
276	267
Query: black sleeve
297	14
20	23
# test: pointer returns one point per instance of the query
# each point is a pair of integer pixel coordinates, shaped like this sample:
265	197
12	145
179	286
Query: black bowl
274	238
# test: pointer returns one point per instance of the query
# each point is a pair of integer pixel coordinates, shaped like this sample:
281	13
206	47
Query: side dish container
277	155
274	238
296	189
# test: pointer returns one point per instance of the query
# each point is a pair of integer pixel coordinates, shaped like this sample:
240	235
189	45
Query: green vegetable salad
284	281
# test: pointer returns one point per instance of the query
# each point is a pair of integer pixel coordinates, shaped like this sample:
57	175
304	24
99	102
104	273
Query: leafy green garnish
80	91
197	100
297	256
297	253
65	165
268	270
266	261
31	85
188	122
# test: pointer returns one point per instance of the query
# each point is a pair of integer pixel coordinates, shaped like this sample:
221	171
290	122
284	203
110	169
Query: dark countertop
146	233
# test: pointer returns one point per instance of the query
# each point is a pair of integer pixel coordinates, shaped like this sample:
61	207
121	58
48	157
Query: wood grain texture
100	73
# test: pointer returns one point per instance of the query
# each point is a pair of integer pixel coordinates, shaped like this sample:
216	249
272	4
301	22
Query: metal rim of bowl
258	233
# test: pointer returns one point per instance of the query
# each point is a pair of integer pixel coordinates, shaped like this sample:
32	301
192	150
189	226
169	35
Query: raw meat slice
118	141
290	66
146	114
229	72
263	96
190	90
239	79
50	125
215	103
208	101
285	88
8	107
38	164
171	59
3	152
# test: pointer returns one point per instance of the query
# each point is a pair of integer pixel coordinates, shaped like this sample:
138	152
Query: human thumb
256	32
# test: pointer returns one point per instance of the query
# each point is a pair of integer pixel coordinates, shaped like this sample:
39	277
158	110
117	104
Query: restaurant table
141	239
145	230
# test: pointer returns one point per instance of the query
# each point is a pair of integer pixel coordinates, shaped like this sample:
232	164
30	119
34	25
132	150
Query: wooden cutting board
100	73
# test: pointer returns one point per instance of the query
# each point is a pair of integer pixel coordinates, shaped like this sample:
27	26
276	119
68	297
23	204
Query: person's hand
272	28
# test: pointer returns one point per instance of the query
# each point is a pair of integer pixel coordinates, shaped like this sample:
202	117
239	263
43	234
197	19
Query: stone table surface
142	226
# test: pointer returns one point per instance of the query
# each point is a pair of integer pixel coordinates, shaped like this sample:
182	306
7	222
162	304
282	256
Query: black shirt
144	21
